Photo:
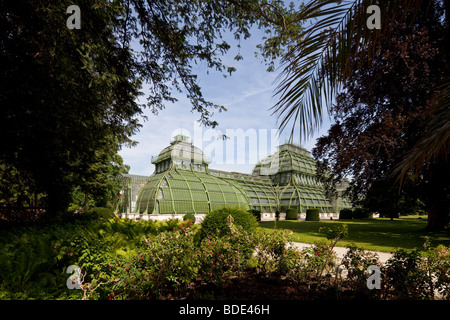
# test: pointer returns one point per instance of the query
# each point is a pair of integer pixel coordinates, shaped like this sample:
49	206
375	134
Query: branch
86	287
260	12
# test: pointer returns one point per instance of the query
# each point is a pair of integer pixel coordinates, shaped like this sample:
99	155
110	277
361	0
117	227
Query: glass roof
181	148
186	191
288	158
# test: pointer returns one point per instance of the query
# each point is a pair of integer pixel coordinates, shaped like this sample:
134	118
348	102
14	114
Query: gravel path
341	251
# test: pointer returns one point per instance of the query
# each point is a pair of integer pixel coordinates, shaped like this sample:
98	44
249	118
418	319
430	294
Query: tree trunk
438	218
438	197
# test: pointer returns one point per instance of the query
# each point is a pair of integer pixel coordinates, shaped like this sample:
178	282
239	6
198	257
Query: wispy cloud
247	94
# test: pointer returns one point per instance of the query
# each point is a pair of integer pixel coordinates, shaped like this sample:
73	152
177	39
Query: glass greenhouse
183	183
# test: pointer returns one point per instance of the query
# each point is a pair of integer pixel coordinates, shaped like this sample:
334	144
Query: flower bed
174	260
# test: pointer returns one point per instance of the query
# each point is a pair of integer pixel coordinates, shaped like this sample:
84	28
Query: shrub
439	259
223	258
346	214
256	213
404	277
320	261
291	214
356	261
360	213
216	221
164	265
335	233
312	214
273	252
189	216
101	213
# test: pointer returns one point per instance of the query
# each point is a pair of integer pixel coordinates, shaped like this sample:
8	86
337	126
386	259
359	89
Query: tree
101	187
17	188
377	122
103	183
64	89
328	61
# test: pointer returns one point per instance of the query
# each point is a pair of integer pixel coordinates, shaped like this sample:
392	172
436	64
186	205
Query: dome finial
181	138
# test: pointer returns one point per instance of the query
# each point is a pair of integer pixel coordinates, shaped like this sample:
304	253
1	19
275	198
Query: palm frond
327	54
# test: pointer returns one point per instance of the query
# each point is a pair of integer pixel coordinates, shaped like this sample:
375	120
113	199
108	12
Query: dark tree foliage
62	92
382	113
68	97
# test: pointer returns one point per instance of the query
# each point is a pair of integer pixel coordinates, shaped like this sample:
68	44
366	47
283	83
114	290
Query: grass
380	234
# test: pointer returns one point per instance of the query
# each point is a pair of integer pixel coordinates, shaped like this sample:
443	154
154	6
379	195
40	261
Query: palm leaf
316	68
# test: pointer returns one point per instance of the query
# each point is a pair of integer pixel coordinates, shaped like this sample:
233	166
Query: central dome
288	158
181	148
182	154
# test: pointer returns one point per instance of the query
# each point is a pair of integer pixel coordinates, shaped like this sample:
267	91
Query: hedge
312	214
357	213
346	214
217	221
360	213
291	214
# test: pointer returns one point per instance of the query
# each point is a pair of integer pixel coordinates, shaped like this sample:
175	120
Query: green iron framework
183	183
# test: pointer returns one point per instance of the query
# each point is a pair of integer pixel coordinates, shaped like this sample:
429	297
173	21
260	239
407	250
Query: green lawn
372	234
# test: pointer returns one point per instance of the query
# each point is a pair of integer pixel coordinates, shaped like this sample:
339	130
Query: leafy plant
123	259
101	214
273	251
223	257
24	259
436	262
404	278
190	217
256	213
335	233
168	261
319	261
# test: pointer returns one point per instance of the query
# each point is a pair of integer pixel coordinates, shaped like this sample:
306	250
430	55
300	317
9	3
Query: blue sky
248	95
